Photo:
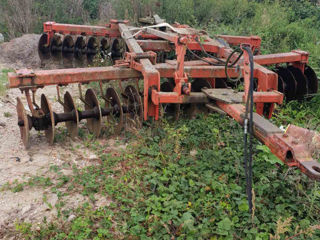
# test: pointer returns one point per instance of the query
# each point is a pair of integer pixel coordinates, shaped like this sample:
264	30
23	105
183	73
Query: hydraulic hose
249	131
237	50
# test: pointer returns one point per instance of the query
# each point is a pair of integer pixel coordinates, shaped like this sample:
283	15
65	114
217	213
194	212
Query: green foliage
277	23
64	11
4	80
92	6
304	114
185	180
181	11
283	25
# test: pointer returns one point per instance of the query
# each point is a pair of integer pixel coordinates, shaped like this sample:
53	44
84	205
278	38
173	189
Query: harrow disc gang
295	84
82	49
45	119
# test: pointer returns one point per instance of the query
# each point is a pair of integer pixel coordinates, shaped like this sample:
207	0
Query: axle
43	122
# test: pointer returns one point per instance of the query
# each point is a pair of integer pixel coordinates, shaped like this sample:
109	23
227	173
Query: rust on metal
195	77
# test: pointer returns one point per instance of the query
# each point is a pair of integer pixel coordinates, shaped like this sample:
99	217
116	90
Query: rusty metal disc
56	46
312	80
24	128
290	82
134	104
281	85
92	48
91	103
68	47
118	48
68	107
105	44
47	110
43	47
115	118
171	109
302	82
80	49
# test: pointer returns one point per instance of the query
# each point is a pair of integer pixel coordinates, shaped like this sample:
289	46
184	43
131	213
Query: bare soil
18	164
21	52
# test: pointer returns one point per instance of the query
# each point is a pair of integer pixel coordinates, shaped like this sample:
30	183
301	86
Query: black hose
209	55
221	62
232	64
249	111
218	64
204	60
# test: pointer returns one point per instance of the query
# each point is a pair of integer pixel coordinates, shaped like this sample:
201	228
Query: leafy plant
3	81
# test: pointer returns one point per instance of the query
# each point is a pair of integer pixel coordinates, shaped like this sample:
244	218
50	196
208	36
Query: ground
18	164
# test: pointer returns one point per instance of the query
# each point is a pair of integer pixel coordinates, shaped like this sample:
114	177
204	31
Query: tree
17	16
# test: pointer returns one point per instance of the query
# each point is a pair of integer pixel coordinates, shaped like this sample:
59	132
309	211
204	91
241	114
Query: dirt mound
21	52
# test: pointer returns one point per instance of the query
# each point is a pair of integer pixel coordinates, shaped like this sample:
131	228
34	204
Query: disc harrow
114	111
79	50
176	69
78	45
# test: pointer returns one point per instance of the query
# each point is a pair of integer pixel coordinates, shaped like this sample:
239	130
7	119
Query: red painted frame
140	62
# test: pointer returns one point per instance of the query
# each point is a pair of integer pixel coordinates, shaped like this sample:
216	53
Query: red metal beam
155	45
40	78
292	147
86	30
291	57
254	41
150	74
210	47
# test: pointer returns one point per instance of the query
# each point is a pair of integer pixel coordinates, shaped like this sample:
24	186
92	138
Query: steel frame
140	62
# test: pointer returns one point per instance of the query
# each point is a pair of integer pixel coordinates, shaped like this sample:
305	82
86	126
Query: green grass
7	114
304	114
4	80
161	191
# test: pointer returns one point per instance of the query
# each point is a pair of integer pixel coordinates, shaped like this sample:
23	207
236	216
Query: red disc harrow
174	68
